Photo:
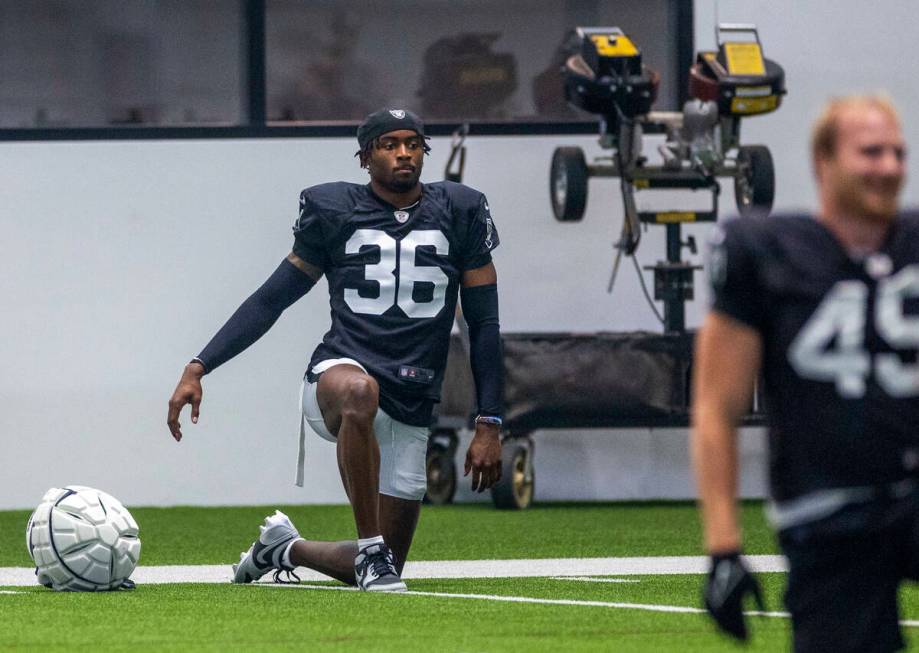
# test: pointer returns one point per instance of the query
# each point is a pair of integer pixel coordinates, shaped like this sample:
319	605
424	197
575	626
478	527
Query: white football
82	540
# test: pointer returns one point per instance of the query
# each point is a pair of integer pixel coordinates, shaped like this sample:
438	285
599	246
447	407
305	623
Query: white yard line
551	567
578	567
513	599
574	602
589	579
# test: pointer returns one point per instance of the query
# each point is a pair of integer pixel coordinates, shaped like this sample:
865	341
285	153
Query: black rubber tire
515	489
568	176
440	468
754	185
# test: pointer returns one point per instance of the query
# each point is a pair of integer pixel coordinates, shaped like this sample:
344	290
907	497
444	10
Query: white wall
118	260
827	49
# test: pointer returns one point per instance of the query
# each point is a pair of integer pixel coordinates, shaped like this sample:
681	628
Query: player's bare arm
310	270
290	281
479	289
188	391
483	276
727	360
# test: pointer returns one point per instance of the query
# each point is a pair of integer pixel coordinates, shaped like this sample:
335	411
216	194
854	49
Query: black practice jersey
840	338
393	278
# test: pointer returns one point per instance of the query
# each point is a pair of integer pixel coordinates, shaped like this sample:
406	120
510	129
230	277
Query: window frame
254	92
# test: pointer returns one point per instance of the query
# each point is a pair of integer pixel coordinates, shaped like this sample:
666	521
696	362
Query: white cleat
267	551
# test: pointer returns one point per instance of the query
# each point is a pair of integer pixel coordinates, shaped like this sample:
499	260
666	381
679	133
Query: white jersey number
385	275
831	346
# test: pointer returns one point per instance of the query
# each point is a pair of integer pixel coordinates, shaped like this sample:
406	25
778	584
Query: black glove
729	581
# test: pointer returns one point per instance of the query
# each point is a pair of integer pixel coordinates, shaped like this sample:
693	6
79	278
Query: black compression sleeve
480	308
255	316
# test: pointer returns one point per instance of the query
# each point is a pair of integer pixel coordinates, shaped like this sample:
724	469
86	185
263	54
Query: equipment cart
639	379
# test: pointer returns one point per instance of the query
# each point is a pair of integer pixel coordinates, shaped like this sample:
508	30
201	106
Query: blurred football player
828	308
396	254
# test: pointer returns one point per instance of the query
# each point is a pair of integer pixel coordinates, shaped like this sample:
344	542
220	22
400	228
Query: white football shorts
403	448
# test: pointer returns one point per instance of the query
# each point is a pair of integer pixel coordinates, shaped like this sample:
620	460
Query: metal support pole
674	309
253	69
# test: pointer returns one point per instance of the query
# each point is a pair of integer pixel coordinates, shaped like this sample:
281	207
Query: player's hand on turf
483	458
728	583
187	392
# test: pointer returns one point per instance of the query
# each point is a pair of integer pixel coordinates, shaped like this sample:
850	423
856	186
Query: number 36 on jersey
384	272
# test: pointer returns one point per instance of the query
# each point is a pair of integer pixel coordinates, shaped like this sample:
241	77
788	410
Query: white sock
369	541
285	559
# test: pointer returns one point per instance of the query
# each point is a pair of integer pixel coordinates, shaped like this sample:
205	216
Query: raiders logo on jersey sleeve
489	228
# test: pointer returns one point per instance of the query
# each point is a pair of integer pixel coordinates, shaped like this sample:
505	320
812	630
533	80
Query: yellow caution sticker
744	59
641	183
670	217
614	45
749	105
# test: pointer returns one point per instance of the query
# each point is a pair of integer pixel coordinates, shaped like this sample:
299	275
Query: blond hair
825	132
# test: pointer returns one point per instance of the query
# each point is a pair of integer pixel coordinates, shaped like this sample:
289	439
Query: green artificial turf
264	618
248	618
173	536
229	618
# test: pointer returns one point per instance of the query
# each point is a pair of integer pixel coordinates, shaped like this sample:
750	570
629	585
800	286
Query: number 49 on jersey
831	345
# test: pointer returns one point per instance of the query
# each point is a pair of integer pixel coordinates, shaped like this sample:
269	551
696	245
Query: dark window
477	60
83	63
